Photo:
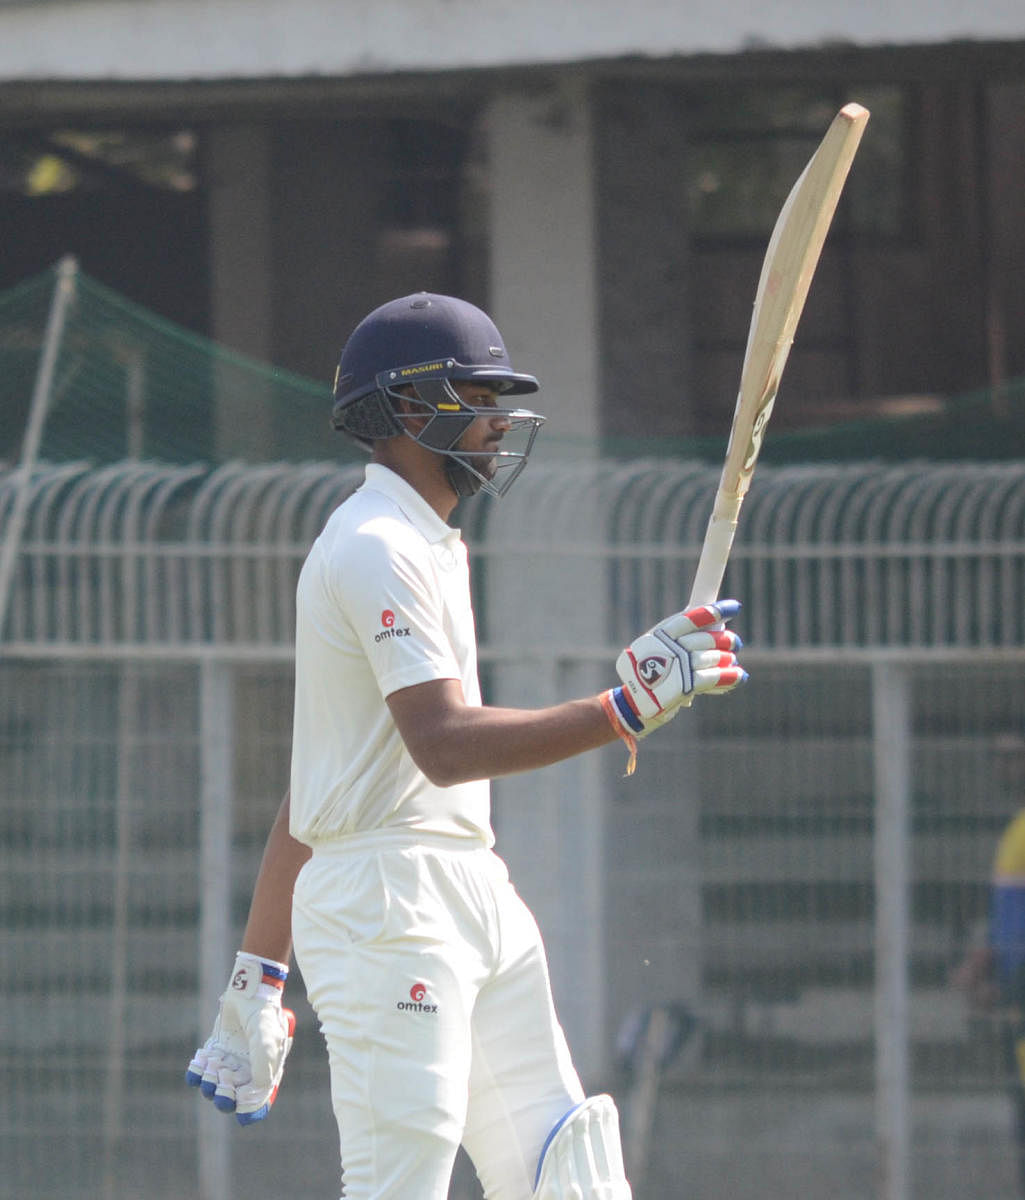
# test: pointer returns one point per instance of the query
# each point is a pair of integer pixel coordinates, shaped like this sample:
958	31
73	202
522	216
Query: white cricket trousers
429	979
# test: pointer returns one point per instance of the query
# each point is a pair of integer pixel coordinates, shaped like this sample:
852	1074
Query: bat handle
715	553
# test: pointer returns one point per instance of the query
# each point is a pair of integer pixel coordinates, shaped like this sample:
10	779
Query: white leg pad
583	1157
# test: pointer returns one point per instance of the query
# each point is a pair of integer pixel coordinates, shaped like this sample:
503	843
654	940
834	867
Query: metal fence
786	882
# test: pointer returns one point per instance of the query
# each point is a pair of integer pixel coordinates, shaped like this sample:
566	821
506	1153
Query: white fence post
126	801
216	770
892	851
63	294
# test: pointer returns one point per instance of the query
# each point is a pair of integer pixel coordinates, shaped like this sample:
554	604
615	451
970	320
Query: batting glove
686	655
240	1066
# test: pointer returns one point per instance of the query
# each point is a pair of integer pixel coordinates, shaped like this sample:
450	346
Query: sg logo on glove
651	669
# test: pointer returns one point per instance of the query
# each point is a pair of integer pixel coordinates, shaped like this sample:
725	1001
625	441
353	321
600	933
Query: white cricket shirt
383	602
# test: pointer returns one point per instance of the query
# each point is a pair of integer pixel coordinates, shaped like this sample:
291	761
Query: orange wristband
617	725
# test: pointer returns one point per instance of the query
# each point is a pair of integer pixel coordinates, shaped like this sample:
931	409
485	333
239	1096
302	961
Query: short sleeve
386	582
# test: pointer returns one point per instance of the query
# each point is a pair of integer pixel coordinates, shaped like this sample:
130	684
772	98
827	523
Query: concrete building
603	180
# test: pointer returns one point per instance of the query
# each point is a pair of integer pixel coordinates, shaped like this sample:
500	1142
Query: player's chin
484	464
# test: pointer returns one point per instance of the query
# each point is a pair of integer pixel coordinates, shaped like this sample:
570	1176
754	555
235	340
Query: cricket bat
786	275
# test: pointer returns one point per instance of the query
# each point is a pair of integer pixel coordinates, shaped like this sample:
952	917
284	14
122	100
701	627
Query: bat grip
715	553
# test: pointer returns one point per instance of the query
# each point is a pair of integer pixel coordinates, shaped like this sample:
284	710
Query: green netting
128	383
979	426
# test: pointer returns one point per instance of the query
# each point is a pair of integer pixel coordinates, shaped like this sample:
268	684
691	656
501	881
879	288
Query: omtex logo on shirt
390	629
418	1001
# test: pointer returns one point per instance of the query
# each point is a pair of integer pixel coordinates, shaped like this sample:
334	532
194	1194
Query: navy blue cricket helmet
420	344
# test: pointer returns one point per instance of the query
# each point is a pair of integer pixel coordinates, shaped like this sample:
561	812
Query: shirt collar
416	509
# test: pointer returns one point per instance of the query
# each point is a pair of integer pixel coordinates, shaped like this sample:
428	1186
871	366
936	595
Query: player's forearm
484	743
268	929
505	741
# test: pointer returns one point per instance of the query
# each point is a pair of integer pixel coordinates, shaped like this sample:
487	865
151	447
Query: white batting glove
686	655
240	1066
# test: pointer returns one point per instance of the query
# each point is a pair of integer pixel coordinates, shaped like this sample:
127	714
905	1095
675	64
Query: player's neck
422	469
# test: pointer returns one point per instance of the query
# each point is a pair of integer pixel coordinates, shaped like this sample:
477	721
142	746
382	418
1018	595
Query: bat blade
787	270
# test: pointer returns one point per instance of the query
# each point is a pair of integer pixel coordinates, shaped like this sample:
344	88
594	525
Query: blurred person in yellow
992	974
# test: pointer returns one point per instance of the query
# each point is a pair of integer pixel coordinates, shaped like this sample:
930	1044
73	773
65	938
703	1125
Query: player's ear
408	404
